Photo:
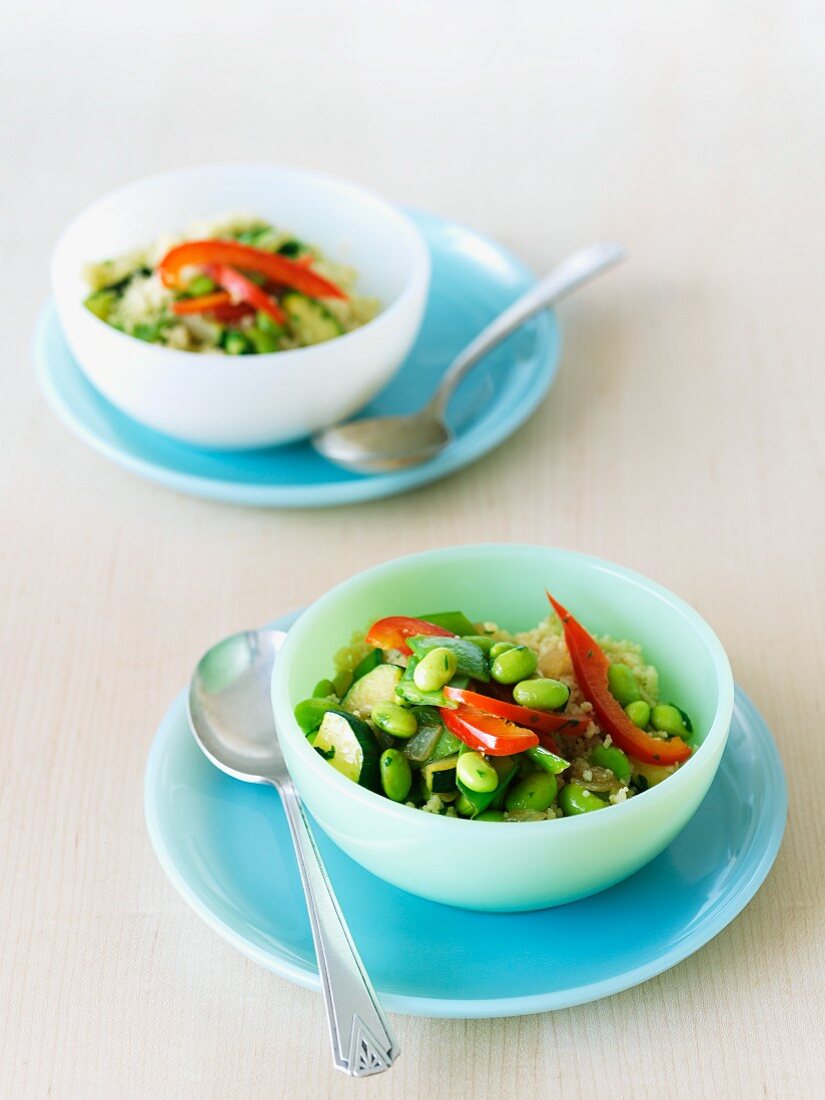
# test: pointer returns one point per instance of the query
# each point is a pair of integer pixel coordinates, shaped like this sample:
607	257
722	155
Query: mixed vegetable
463	719
235	285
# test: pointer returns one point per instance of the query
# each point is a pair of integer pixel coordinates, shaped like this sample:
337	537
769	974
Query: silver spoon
231	717
381	443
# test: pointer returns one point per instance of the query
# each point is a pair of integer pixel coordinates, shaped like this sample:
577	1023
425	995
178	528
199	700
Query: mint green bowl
498	866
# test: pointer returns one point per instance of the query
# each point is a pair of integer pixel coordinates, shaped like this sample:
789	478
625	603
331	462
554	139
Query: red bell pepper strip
486	732
276	267
244	290
206	303
392	632
538	720
590	665
232	312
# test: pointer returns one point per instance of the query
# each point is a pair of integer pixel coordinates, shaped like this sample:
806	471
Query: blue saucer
225	846
473	279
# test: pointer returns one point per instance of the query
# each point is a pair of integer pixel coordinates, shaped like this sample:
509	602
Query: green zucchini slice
349	745
376	686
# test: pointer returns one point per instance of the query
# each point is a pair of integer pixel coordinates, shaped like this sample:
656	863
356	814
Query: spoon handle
577	268
362	1039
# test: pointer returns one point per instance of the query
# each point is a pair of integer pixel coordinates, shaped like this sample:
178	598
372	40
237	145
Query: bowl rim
715	738
417	278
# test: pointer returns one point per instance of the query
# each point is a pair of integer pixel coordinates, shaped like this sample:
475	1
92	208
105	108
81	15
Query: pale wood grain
684	437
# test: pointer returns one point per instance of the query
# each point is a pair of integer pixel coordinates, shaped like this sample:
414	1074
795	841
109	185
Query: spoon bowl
384	443
229	710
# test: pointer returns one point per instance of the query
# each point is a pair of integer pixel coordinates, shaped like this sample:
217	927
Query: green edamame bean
464	807
608	756
514	664
623	685
638	713
395	720
323	689
435	669
497	648
484	643
491	815
667	719
575	799
309	713
476	773
263	342
235	343
541	694
535	792
396	777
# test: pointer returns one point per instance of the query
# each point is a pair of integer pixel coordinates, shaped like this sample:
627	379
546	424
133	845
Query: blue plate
226	847
473	279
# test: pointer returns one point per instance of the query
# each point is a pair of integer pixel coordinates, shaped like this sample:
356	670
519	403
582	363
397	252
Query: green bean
541	694
497	648
342	682
638	713
514	664
476	773
435	669
201	285
484	643
395	720
575	799
464	807
608	756
491	815
535	792
547	760
323	689
623	685
396	777
667	719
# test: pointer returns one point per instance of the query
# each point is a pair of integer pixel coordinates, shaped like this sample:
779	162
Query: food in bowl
234	284
464	719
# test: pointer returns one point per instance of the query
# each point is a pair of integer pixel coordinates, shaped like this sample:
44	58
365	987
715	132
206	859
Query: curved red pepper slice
392	632
590	666
206	303
244	290
539	720
487	733
276	267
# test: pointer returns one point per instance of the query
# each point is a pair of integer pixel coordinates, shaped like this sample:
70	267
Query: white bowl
218	401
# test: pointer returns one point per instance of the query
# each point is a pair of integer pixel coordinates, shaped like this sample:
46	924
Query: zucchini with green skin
311	322
376	686
440	776
349	745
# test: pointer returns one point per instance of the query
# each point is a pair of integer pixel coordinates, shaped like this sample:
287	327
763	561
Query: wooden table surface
684	438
